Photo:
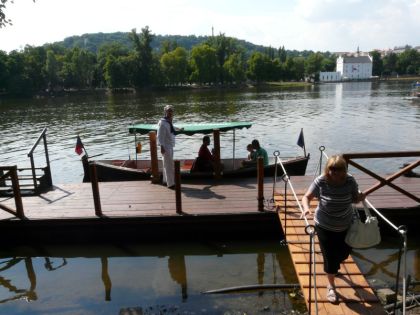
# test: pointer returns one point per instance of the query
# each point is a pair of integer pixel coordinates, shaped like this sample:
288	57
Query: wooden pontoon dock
132	211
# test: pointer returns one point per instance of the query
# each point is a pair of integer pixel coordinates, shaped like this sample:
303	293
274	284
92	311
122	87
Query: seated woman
205	160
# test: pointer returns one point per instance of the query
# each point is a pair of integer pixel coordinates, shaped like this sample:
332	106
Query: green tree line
405	63
219	60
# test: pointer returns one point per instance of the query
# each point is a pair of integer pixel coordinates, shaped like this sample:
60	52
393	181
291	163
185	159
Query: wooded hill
92	42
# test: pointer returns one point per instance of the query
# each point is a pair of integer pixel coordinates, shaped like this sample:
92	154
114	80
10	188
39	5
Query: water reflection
144	276
27	294
178	272
378	267
173	275
106	279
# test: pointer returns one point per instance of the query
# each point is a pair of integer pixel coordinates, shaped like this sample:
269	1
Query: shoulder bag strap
366	208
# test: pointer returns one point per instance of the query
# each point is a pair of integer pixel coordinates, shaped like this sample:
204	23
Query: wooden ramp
354	293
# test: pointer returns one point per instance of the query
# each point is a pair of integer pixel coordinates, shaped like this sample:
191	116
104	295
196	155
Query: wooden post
16	192
2	181
154	158
178	186
260	175
217	166
47	158
33	171
95	189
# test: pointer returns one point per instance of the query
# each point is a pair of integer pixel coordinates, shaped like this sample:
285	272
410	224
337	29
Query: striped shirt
334	211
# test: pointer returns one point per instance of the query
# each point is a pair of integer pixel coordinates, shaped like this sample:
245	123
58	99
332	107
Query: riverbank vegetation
129	61
138	63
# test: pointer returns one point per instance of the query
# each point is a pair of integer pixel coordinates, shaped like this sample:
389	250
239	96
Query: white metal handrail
309	229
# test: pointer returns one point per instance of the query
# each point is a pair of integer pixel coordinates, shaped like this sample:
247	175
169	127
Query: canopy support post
154	158
233	158
217	166
135	146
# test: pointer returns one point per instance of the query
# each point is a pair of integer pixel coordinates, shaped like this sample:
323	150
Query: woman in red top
205	157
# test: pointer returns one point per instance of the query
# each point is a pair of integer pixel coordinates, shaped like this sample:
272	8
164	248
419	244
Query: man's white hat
168	108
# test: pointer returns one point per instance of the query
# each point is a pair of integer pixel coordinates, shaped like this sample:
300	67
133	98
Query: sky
319	25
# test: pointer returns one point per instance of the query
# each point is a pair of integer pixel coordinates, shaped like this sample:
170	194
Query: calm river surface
169	278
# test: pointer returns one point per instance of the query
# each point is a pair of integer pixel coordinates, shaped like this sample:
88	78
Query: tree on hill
313	65
377	63
174	66
234	68
259	67
143	57
203	64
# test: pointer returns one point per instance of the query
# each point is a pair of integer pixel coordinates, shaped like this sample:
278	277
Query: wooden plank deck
134	200
140	198
354	292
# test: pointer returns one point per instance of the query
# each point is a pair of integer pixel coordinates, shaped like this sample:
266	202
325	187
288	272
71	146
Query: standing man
166	140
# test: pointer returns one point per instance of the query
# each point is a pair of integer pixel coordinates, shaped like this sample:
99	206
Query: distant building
355	68
349	68
401	49
329	76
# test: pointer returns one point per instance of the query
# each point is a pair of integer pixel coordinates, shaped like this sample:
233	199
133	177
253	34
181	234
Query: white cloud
303	24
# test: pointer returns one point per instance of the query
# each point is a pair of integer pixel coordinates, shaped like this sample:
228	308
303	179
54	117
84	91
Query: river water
169	278
343	117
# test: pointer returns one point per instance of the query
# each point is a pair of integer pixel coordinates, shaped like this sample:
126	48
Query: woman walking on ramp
335	190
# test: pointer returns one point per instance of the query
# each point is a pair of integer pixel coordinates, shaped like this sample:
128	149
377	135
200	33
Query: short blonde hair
335	162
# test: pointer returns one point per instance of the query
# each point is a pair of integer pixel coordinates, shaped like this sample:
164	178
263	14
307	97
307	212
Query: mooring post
95	189
154	158
178	186
260	175
16	192
2	180
217	164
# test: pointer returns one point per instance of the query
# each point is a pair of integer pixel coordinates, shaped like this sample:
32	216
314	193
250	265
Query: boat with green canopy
192	129
142	169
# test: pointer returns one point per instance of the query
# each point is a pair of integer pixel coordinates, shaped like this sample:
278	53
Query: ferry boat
141	169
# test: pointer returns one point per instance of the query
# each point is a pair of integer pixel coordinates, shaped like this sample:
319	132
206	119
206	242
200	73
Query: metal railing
309	230
47	169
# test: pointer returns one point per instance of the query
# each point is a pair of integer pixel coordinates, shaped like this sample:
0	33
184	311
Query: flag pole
304	147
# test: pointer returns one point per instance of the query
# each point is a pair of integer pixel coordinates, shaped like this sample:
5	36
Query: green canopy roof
192	128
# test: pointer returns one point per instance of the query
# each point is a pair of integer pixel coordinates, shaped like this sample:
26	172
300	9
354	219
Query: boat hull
117	170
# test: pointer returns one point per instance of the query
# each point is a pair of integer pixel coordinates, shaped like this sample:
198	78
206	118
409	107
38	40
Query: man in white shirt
166	140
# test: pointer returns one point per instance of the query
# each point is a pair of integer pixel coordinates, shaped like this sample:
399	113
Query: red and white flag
79	146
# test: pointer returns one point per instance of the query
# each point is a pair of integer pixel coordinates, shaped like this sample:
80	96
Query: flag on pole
79	146
301	139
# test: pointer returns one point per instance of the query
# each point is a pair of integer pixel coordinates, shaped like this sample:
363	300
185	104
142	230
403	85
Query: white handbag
363	234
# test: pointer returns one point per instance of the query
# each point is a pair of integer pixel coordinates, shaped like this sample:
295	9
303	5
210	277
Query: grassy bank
288	84
401	78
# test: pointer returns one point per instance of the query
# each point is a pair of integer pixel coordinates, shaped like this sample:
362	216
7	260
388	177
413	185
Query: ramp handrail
30	154
309	229
401	230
